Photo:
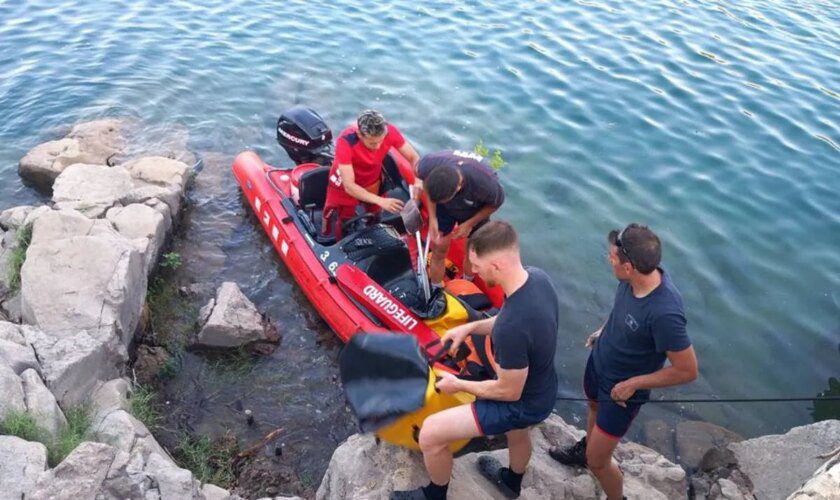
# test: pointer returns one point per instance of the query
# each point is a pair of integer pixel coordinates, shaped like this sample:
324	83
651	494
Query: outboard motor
305	136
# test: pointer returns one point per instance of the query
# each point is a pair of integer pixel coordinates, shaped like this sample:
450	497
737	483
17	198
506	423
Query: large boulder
778	464
80	475
364	469
11	389
41	404
231	320
140	221
695	438
74	364
95	283
15	351
94	142
21	463
824	484
91	189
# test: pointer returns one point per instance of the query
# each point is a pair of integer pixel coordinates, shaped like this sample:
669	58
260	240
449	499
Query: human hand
457	335
463	230
447	383
392	205
416	189
623	391
592	338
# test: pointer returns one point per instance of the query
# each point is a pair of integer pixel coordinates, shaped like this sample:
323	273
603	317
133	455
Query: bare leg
599	450
438	432
440	247
519	449
590	418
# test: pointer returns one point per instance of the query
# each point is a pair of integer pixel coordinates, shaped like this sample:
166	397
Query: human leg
438	261
519	449
599	451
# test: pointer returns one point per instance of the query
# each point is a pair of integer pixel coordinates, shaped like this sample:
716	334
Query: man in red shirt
356	173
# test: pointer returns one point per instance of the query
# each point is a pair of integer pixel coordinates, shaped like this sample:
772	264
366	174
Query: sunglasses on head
620	244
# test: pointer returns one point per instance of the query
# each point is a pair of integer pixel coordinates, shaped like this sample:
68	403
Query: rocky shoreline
74	276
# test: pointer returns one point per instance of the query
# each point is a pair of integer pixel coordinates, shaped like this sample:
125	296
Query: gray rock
120	430
659	436
11	308
109	397
43	163
65	290
778	464
73	365
21	462
824	484
172	482
139	221
232	321
80	475
15	351
212	492
91	189
361	468
12	218
724	489
94	142
695	438
41	404
11	388
159	171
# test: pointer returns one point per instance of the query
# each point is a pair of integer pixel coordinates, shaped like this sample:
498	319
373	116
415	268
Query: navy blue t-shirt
639	331
525	336
481	185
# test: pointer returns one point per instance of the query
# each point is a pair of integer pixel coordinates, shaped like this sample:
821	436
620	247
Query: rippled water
716	123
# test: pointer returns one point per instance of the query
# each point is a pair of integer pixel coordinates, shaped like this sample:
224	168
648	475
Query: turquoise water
716	123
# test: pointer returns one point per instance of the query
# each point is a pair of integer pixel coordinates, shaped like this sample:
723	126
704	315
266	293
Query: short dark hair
371	122
638	245
442	183
493	236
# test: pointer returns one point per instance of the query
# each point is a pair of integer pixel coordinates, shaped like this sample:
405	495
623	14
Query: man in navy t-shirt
524	337
461	190
646	327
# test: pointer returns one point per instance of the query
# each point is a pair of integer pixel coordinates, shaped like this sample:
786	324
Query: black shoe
416	494
492	470
571	455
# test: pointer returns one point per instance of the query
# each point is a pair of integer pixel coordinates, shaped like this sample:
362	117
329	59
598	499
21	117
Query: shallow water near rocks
718	124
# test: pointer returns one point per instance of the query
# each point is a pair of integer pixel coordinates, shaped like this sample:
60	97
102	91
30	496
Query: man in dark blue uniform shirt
524	337
461	190
646	327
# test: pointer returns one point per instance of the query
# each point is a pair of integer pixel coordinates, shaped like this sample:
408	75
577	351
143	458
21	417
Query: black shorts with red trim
612	419
446	222
497	417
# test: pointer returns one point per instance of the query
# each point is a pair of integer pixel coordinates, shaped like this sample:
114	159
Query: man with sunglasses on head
461	190
356	173
646	327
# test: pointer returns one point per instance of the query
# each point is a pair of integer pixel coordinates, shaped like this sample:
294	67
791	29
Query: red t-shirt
367	163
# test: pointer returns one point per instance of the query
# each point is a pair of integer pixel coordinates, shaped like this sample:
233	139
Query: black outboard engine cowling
305	136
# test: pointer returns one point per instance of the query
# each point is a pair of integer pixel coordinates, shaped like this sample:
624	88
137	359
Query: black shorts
612	419
497	417
446	222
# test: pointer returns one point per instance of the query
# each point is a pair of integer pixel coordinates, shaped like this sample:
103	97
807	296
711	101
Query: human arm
682	369
465	227
506	387
348	181
459	333
408	152
590	340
